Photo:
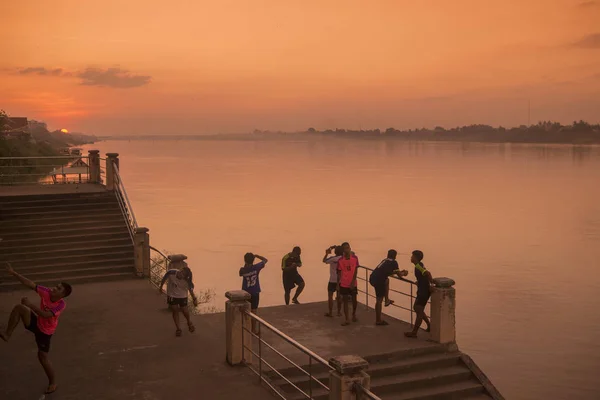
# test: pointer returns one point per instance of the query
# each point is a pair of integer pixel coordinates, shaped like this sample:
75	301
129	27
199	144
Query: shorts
41	339
380	289
291	280
421	302
254	299
177	301
346	291
332	287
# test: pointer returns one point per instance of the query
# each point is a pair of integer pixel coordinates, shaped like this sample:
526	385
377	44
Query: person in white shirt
332	286
179	283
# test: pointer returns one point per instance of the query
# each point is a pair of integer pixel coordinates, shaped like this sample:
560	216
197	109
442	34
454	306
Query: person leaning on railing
379	280
250	282
424	283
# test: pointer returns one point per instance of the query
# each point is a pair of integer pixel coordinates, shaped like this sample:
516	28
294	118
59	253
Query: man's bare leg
346	311
426	319
298	291
354	307
18	313
186	313
339	303
387	293
49	370
175	311
286	297
378	307
330	304
420	310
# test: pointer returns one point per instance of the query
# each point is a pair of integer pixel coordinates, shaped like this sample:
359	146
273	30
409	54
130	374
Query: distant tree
3	120
311	130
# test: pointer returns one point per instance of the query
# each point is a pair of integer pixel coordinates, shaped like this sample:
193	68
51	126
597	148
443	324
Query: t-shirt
423	287
347	268
249	274
385	269
177	288
288	260
48	325
333	265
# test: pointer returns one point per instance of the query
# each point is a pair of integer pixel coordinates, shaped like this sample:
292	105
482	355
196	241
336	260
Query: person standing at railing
424	282
332	286
179	283
291	277
379	279
347	270
250	282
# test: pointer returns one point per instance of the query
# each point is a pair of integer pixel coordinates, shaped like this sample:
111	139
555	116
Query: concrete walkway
117	341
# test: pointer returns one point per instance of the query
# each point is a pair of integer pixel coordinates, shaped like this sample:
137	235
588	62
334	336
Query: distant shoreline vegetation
544	132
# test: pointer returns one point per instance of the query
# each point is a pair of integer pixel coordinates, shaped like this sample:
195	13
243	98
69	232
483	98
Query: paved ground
325	336
24	190
116	341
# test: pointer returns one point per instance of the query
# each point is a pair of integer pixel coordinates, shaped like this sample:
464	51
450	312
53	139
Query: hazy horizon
231	67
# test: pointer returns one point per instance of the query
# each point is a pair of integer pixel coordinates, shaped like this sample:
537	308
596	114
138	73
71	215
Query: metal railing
407	295
124	203
314	359
102	170
159	263
44	170
362	393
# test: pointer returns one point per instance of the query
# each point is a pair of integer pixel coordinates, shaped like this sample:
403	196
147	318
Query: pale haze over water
517	227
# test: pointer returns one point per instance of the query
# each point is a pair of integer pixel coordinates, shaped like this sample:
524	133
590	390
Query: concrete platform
116	341
36	190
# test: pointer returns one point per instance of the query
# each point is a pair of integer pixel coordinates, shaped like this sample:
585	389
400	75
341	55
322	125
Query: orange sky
116	67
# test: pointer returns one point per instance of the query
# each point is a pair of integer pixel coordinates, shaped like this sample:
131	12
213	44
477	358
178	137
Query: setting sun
63	130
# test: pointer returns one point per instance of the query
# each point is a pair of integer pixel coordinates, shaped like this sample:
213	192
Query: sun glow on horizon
63	130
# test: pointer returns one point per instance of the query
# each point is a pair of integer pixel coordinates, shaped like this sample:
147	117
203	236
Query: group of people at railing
344	266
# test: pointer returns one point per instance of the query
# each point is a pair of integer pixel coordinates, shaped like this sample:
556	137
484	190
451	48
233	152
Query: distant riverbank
579	133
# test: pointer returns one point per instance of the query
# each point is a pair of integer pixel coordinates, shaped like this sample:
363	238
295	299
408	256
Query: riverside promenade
116	341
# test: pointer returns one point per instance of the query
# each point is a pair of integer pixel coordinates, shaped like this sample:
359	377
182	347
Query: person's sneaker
295	301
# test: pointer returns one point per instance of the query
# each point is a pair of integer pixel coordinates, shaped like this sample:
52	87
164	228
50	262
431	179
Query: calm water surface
517	227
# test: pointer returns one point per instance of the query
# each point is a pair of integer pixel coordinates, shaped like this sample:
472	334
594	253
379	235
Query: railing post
94	166
141	251
443	311
112	159
236	308
348	371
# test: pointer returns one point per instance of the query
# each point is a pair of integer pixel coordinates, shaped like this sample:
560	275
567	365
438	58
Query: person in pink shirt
347	270
41	321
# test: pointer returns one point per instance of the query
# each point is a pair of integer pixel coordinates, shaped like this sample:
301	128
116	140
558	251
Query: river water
517	227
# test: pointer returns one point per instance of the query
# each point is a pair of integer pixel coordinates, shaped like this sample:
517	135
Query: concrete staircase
430	373
76	238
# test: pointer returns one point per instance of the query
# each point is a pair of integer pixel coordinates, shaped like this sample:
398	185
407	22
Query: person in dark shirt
424	282
379	281
250	282
289	266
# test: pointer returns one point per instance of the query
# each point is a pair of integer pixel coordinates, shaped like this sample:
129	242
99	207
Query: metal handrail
311	355
362	393
158	268
410	295
124	203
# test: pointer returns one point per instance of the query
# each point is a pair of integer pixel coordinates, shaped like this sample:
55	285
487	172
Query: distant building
37	125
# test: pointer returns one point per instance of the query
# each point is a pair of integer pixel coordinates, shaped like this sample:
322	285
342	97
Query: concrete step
74	208
60	273
58	252
53	220
67	239
480	396
49	203
63	230
393	376
451	391
8	286
45	198
72	243
65	215
90	255
25	269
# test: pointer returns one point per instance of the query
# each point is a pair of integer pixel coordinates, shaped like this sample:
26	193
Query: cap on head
392	254
248	258
296	250
417	255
